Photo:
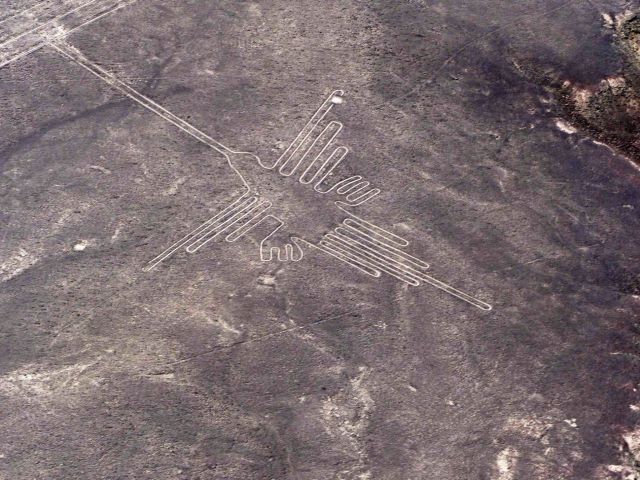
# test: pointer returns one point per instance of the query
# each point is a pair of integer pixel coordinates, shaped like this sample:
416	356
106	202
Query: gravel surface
503	138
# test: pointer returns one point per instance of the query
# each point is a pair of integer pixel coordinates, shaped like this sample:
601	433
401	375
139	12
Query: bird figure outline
303	179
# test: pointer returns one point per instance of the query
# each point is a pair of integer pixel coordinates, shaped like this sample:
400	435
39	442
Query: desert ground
502	141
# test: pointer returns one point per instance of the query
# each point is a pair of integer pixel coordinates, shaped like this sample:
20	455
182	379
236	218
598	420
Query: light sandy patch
16	264
506	463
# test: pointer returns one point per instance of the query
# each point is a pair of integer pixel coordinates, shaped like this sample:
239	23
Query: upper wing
311	157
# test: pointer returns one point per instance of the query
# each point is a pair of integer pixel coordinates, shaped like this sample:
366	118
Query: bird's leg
279	245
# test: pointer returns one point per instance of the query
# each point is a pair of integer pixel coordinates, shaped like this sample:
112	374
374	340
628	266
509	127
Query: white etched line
306	131
118	6
289	252
358	243
221	225
352	262
334	127
375	242
455	292
212	231
375	230
47	23
376	261
403	277
365	197
353	255
310	125
355	196
357	188
189	237
332	162
26	24
295	242
269	249
75	55
23	12
230	226
237	204
380	262
371	253
204	232
282	253
415	279
22	54
61	35
343	186
401	260
250	224
28	14
305	174
28	17
423	277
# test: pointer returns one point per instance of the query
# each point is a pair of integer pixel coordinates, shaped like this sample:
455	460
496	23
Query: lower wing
234	221
374	251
